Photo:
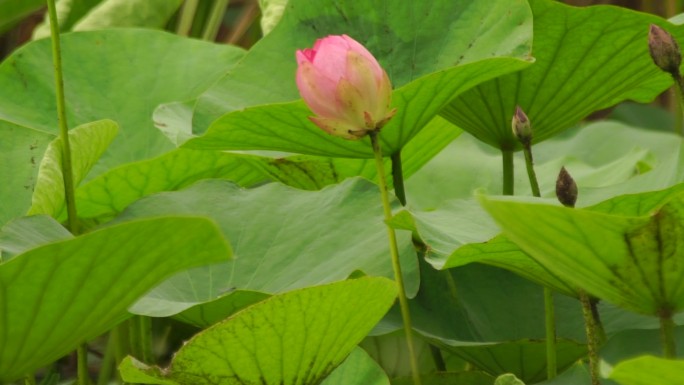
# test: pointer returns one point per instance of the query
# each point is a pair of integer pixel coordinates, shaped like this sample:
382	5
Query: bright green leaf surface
209	313
649	370
284	238
410	39
128	13
293	338
122	75
88	142
21	150
358	368
62	294
25	233
111	192
526	359
286	127
68	13
587	59
631	261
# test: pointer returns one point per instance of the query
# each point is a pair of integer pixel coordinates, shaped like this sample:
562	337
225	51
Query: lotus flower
345	86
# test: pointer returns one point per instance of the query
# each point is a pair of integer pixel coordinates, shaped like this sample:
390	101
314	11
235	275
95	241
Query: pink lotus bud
344	86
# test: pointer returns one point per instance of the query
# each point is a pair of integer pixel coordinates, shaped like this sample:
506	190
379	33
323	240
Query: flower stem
62	121
507	158
82	365
187	15
215	18
145	341
667	336
549	307
398	178
394	252
592	337
679	94
67	172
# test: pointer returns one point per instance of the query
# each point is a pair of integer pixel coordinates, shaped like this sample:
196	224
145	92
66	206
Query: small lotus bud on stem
566	188
521	127
664	50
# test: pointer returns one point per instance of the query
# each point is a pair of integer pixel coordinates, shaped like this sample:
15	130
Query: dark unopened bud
566	188
521	126
664	50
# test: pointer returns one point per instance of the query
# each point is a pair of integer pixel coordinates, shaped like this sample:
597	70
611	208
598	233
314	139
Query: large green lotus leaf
312	172
68	13
358	368
495	312
525	358
12	11
61	294
21	150
605	158
24	233
286	126
587	59
649	370
284	238
636	341
449	378
87	15
294	338
632	261
107	74
410	40
110	193
88	142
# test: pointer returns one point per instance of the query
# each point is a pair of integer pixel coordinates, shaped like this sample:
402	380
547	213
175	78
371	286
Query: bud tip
566	188
521	126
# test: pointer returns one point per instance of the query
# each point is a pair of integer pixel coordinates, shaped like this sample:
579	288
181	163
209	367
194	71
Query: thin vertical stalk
30	380
398	177
679	95
108	362
82	365
144	325
549	307
62	121
667	336
67	172
215	18
187	15
507	159
592	337
394	252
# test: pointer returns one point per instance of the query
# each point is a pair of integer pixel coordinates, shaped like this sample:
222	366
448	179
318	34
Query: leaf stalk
394	252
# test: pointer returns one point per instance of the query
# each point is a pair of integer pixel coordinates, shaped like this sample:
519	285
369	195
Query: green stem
549	307
108	363
667	336
592	337
529	163
599	331
215	19
507	158
394	252
187	15
144	325
30	380
82	366
679	94
398	178
69	195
